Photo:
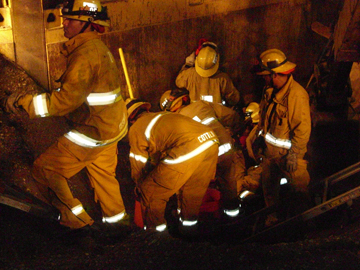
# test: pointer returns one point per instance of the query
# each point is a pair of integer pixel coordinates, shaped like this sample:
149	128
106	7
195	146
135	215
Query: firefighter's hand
291	162
9	103
190	60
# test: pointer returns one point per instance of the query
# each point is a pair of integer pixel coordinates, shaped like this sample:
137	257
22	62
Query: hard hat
207	61
171	97
87	11
274	61
252	111
132	104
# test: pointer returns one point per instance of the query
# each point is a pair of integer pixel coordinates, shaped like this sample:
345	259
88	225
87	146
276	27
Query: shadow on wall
333	146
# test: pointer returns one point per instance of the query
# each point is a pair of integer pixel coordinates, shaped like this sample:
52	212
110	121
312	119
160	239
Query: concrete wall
156	37
29	38
6	33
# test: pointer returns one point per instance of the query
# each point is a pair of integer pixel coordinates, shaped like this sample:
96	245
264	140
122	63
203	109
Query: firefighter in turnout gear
170	154
250	169
224	121
201	76
89	97
285	125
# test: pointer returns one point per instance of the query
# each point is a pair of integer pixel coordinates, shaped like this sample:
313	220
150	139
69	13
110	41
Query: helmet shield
171	97
274	61
207	61
87	11
252	111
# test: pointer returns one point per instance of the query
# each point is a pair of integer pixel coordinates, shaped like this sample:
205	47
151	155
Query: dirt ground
29	242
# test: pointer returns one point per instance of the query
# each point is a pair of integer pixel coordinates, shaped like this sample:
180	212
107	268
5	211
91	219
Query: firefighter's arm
182	78
9	104
300	122
75	87
139	157
249	142
228	117
229	92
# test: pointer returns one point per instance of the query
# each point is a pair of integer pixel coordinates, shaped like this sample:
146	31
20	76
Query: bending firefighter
224	121
170	154
89	97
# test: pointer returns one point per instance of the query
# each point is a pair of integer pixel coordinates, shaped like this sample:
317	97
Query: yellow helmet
171	97
85	10
275	61
207	61
132	104
252	111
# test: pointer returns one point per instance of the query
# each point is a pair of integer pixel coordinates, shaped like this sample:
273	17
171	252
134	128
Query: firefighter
201	76
170	154
249	177
89	97
285	125
225	122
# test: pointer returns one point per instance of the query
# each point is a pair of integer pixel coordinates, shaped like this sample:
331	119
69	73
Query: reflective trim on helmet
192	154
224	148
151	125
115	218
96	99
77	210
245	193
208	98
283	143
138	157
40	105
160	228
283	181
188	222
232	213
247	114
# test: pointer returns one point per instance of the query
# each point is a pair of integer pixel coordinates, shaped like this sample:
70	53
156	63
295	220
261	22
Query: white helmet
86	11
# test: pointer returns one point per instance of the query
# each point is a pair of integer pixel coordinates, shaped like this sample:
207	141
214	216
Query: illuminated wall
6	32
156	36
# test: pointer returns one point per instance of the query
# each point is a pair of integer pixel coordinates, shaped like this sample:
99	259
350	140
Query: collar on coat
281	96
70	45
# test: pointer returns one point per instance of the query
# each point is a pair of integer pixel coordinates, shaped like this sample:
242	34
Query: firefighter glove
190	60
291	161
10	103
